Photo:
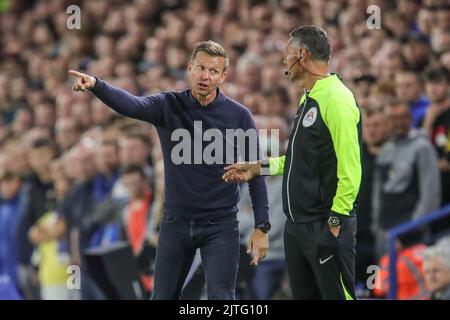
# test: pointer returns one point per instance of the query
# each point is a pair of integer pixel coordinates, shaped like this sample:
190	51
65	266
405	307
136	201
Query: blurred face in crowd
250	76
390	66
85	159
270	76
440	40
9	186
407	87
425	19
134	151
23	121
206	73
66	133
416	53
61	182
175	58
17	159
445	60
135	184
261	17
437	91
101	114
437	273
443	19
400	119
155	50
108	158
44	116
39	158
375	128
81	112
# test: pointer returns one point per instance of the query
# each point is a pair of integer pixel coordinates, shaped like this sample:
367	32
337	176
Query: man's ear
301	55
224	77
189	66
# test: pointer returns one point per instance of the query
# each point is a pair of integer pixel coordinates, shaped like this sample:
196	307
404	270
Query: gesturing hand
258	245
83	82
241	172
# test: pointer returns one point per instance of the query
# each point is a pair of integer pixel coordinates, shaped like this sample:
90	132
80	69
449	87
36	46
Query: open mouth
202	85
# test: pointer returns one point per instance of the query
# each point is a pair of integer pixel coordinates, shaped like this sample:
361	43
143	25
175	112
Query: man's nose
203	75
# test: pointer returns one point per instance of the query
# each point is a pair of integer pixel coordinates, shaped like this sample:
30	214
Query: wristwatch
265	163
265	167
334	221
264	227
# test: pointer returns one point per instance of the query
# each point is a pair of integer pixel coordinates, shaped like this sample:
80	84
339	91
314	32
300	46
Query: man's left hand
335	230
258	245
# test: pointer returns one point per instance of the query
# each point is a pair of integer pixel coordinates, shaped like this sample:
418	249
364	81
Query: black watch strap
264	227
265	167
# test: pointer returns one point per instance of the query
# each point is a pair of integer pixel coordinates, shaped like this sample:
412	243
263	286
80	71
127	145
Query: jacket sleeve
276	165
342	118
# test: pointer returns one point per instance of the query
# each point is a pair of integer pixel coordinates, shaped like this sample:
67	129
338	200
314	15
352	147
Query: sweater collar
219	97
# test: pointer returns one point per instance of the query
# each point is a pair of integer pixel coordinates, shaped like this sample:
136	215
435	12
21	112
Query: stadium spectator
53	252
406	183
437	122
10	186
436	265
410	273
375	134
40	197
408	89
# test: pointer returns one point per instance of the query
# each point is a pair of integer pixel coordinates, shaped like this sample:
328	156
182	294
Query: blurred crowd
74	175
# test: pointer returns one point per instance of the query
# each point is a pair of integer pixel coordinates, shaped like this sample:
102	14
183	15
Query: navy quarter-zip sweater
194	191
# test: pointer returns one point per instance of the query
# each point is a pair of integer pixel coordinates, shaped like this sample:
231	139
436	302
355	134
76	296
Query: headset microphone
286	73
289	70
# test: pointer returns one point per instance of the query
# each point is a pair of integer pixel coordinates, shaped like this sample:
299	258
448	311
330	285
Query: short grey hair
438	250
213	49
314	39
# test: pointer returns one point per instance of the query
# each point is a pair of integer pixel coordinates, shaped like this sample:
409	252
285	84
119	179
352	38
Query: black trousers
321	266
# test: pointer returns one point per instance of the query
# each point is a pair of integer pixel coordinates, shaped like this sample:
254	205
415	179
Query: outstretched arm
243	172
148	108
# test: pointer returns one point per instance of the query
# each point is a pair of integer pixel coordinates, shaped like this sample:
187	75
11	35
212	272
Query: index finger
256	258
229	174
232	166
76	74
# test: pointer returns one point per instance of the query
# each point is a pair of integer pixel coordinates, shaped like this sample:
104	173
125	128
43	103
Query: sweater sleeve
257	186
149	108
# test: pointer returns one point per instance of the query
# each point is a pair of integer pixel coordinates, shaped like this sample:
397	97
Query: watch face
333	221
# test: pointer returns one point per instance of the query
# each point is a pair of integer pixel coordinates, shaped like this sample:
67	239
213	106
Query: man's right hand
242	172
83	82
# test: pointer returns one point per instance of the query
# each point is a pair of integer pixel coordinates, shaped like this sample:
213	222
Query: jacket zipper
292	153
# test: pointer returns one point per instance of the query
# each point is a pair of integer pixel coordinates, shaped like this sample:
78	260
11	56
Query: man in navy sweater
200	208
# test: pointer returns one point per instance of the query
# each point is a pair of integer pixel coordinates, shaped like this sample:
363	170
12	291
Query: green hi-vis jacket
322	167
